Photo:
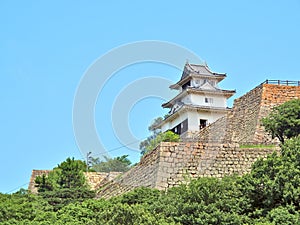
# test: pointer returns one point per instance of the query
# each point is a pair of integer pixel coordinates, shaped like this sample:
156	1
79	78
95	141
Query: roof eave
170	103
188	107
218	77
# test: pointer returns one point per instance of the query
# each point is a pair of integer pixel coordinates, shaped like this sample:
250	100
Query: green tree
140	195
71	173
68	174
17	207
284	216
117	164
65	184
204	201
274	182
284	121
151	143
43	183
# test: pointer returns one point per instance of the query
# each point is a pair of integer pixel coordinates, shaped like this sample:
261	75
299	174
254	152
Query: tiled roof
225	93
199	70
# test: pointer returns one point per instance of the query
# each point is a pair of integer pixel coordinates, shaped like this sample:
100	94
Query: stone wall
243	123
97	179
193	160
273	95
143	174
172	163
244	117
238	125
215	132
248	110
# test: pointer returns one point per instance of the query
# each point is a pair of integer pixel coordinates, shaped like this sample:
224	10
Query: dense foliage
284	120
157	137
65	184
117	164
269	195
151	142
68	174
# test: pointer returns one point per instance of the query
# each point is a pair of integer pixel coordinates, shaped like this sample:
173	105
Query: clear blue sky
46	47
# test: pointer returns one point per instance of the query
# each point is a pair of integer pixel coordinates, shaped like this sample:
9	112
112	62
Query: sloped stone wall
215	132
98	179
239	124
143	174
244	117
177	163
243	123
193	160
273	95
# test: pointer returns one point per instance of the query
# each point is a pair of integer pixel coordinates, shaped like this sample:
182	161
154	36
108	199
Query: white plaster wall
218	101
165	127
193	119
171	124
187	99
193	124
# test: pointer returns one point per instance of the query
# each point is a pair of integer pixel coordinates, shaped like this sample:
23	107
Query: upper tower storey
199	102
198	81
196	76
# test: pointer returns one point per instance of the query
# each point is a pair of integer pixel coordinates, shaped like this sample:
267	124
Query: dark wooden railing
282	82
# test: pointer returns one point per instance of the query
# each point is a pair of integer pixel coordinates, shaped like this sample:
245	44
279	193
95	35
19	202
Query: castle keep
200	101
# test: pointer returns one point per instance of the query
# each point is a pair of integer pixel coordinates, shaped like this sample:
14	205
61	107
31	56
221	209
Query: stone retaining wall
242	124
143	174
172	163
273	95
181	162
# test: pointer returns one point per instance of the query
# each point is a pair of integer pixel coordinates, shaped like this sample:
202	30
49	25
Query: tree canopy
284	120
151	142
68	174
66	183
117	164
268	195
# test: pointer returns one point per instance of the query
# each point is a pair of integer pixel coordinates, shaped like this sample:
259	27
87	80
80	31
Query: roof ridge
201	65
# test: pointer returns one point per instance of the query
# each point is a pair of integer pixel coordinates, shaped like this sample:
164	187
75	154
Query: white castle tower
200	101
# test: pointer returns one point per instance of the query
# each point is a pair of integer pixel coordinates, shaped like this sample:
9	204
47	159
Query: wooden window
203	123
209	100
